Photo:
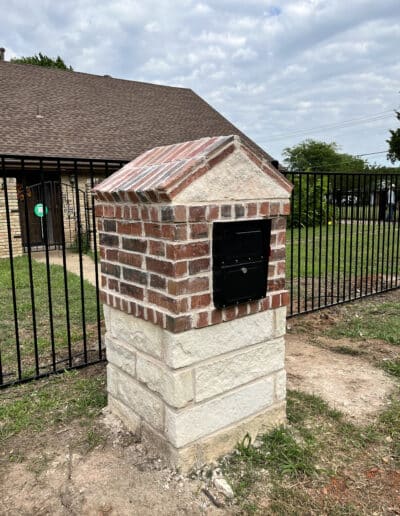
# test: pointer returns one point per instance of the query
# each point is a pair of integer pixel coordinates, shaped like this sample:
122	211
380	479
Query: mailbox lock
244	270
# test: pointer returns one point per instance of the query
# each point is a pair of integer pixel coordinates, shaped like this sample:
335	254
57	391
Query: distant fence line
343	238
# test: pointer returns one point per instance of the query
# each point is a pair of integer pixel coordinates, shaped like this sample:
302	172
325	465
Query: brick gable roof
159	174
50	112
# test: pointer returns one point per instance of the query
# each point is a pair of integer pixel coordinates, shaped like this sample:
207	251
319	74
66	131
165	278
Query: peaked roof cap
159	174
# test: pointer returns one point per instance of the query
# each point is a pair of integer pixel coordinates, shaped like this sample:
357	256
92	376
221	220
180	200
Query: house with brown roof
63	131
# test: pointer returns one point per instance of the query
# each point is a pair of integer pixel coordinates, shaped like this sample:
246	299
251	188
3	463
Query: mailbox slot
240	261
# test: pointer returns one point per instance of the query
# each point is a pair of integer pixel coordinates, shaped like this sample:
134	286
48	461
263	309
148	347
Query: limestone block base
205	450
196	394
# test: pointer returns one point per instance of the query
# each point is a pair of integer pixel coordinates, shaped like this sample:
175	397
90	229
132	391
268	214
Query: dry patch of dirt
348	383
58	475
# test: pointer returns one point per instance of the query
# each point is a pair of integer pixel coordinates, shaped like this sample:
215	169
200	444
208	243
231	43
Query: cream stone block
227	373
176	388
280	321
236	178
131	420
120	355
187	348
143	335
211	448
190	424
280	386
135	396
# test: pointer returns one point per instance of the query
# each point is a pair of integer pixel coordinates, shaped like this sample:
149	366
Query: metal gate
51	316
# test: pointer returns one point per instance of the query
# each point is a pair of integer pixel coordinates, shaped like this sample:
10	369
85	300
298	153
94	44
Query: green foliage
392	367
394	143
316	156
42	60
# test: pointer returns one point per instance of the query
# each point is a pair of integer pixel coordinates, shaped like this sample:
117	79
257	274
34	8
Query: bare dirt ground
348	383
58	472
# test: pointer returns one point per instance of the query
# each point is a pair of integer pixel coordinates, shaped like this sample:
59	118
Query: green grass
392	367
340	248
59	399
373	320
317	444
41	301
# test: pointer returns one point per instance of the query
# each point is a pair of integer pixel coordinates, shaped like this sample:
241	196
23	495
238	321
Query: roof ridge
46	69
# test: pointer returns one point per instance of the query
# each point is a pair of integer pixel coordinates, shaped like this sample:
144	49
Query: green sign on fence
40	209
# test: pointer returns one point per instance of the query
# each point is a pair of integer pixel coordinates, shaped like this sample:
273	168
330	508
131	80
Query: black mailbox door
240	261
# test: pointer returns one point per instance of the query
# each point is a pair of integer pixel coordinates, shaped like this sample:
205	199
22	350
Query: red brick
98	210
274	209
242	309
134	275
281	238
229	313
144	213
188	286
159	318
103	281
152	229
212	212
103	297
109	240
278	223
118	212
239	210
226	210
216	316
178	324
127	289
132	259
252	209
157	247
197	213
192	250
174	231
168	303
160	266
285	299
264	303
265	209
275	301
134	244
129	228
278	254
254	307
285	208
112	255
157	281
103	252
111	269
280	268
276	284
154	214
200	301
108	211
202	320
200	265
199	230
113	284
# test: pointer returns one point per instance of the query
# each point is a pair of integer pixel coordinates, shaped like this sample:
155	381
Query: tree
316	156
394	143
42	60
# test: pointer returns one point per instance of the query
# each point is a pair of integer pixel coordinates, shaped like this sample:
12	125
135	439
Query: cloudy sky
282	70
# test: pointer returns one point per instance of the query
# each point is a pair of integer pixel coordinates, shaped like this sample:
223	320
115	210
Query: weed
392	367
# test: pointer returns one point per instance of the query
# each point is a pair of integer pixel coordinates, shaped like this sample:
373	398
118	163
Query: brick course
161	257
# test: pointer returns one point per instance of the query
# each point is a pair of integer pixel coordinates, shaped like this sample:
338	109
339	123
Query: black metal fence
343	243
51	316
343	238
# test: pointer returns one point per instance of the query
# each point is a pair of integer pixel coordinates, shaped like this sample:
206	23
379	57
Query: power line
345	123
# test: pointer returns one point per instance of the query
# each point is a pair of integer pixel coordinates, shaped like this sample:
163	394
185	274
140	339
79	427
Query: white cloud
273	68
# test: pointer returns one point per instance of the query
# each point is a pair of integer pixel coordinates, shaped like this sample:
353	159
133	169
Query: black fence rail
343	238
51	316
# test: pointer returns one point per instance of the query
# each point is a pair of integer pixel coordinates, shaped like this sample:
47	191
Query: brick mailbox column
194	377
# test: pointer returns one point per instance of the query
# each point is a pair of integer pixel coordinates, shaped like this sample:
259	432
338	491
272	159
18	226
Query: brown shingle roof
50	112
